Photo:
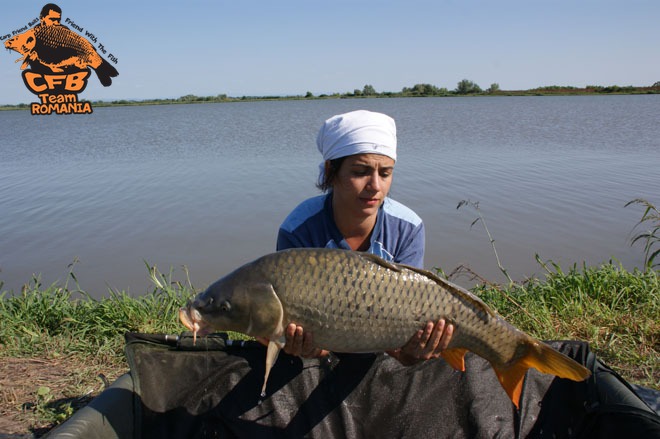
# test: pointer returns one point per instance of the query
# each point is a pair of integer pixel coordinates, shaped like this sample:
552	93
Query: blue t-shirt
398	235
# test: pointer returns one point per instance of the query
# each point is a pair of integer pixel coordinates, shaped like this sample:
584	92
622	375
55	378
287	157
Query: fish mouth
192	319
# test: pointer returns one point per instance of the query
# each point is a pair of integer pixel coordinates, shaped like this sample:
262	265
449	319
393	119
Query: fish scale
358	302
57	38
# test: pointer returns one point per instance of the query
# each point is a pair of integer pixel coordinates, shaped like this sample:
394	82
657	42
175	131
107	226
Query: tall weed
650	237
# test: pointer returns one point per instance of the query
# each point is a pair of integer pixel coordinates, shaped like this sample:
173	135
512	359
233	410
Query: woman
359	153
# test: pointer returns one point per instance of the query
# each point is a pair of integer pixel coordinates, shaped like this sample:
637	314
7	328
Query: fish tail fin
105	72
547	360
544	359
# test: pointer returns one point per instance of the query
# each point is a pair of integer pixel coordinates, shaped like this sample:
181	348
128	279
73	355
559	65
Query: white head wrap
357	132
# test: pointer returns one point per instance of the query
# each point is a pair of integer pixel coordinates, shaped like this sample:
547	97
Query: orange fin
455	357
547	360
511	379
544	359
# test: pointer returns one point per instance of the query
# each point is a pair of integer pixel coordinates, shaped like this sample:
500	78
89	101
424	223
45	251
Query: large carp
358	302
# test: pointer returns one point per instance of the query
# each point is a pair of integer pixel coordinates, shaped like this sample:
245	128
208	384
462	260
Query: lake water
206	186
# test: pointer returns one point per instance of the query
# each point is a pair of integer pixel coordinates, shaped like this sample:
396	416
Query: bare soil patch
66	385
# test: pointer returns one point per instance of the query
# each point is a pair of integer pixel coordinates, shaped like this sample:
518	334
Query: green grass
72	342
650	237
42	320
615	310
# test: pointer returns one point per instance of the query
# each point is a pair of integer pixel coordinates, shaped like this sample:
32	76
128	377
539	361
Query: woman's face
361	185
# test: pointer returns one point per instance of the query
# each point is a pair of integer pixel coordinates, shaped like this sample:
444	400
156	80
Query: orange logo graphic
59	61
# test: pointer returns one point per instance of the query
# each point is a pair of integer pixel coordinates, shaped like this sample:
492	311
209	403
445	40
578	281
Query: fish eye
225	306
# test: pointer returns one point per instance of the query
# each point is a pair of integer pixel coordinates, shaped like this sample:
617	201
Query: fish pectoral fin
266	312
455	357
272	352
511	379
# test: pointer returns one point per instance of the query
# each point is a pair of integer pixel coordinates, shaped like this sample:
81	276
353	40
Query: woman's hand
425	344
300	343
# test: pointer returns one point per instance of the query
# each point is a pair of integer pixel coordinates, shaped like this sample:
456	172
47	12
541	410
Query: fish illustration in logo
59	48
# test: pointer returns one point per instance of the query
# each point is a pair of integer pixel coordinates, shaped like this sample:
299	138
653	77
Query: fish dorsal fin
448	286
454	289
380	261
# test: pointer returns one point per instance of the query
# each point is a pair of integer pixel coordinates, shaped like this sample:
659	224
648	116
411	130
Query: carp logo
56	62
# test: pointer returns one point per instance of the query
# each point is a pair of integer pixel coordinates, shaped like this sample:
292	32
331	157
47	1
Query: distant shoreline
419	90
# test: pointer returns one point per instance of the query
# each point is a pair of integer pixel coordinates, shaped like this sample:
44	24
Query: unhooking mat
212	390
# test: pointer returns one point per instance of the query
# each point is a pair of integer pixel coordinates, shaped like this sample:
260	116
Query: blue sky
168	49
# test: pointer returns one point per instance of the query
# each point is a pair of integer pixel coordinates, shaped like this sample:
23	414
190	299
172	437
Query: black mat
212	390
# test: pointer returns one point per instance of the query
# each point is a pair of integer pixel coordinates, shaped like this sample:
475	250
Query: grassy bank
66	330
615	310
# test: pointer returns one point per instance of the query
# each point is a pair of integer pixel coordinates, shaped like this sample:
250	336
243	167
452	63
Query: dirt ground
34	390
